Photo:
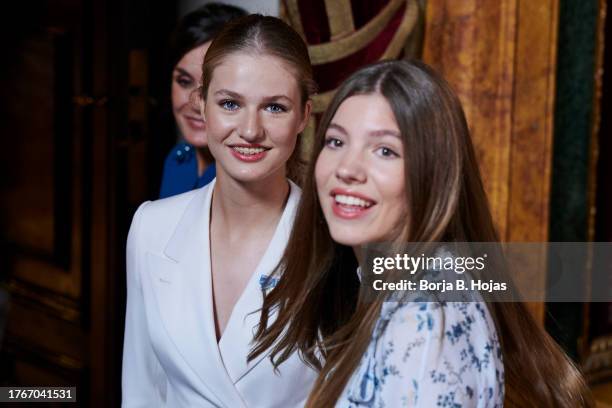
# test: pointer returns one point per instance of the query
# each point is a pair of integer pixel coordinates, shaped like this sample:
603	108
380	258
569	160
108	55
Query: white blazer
170	355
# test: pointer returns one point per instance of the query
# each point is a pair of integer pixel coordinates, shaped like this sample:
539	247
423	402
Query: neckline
257	271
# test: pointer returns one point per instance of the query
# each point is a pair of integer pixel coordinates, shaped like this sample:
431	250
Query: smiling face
185	80
360	172
253	114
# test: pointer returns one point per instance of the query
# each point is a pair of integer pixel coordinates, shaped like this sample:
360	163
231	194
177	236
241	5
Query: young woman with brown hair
393	162
196	262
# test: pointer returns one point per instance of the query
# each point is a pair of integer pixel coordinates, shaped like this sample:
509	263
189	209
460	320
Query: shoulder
449	351
169	208
157	220
450	325
180	172
476	313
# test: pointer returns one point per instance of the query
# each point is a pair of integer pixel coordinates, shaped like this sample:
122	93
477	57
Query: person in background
189	164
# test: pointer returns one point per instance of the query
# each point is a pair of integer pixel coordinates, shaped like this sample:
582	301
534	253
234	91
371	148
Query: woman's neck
241	207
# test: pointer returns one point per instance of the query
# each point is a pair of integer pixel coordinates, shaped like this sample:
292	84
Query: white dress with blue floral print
429	354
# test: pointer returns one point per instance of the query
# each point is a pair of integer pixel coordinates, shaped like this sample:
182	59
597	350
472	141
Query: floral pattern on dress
429	354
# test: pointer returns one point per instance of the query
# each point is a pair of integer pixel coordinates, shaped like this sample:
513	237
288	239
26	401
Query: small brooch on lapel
267	282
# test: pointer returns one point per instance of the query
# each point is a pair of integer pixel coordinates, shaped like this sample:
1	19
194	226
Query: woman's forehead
194	57
369	113
260	74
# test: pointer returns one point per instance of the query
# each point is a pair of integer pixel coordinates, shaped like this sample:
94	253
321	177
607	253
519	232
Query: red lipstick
248	153
195	123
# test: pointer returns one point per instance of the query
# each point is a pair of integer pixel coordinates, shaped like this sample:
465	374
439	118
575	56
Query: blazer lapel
182	285
236	342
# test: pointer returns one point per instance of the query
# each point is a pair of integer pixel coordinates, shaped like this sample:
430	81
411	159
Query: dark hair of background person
321	310
199	27
264	35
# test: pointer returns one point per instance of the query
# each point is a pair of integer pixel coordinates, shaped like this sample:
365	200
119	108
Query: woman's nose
194	101
350	169
250	128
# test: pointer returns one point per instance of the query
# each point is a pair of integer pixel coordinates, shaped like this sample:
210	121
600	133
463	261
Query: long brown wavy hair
322	313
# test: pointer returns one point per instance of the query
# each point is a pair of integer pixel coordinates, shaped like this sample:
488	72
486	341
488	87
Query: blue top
181	171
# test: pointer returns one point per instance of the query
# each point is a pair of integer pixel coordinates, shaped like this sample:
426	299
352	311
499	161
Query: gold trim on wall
409	21
320	101
340	16
336	50
394	48
293	14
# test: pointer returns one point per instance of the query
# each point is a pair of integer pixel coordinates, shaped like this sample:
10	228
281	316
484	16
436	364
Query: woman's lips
195	123
248	153
350	205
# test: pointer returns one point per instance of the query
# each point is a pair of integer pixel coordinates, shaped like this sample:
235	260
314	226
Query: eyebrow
277	97
235	95
375	133
228	93
183	72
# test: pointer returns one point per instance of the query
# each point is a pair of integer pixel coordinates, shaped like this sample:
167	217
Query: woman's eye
333	142
276	108
184	82
228	105
386	152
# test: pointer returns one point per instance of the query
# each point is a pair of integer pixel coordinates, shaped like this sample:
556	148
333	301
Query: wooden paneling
472	45
41	209
41	227
532	136
27	205
63	346
42	240
533	110
102	225
75	164
500	57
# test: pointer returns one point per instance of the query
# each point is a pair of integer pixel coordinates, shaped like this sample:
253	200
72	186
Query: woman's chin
195	140
347	236
246	173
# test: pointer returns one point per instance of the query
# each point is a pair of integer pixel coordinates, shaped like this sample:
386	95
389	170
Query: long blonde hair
321	312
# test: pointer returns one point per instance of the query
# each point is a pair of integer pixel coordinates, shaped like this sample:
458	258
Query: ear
305	116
